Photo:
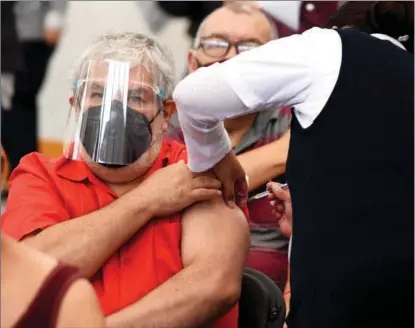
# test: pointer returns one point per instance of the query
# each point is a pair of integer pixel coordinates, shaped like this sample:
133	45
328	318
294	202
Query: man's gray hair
238	8
135	48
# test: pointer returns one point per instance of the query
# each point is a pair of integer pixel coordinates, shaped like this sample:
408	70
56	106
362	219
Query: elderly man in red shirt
118	204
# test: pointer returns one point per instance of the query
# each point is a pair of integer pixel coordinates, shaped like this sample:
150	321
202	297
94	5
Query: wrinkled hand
234	185
174	187
281	201
51	36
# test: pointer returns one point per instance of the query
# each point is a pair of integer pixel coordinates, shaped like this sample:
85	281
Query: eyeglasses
218	47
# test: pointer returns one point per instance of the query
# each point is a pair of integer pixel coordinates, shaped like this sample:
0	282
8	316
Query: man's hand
234	184
174	188
51	36
281	201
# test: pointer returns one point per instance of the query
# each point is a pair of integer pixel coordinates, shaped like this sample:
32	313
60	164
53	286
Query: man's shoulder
177	150
48	169
38	162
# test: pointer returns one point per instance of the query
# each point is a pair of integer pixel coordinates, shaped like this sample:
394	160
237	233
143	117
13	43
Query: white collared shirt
299	71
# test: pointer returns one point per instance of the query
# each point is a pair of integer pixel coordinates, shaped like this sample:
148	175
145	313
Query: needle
265	193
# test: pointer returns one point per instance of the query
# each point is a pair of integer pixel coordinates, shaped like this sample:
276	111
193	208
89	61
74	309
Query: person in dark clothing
350	172
38	26
11	61
11	57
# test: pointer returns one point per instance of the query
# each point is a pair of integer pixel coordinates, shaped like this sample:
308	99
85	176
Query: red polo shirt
45	191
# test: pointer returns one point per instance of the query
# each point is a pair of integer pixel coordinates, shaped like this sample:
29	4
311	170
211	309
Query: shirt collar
76	171
388	38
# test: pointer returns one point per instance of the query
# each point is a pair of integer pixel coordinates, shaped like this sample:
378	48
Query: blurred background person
194	11
38	26
158	13
52	295
222	35
11	56
11	61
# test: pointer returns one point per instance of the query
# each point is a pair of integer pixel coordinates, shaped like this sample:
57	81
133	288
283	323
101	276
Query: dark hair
393	18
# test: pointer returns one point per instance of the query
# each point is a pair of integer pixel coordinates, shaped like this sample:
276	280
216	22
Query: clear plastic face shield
111	116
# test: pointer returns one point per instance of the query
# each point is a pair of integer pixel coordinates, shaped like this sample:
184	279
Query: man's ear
191	61
169	109
71	99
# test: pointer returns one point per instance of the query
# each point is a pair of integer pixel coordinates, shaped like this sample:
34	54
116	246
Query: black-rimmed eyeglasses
218	47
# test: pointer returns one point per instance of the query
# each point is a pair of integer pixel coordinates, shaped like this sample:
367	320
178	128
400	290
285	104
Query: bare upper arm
215	235
80	307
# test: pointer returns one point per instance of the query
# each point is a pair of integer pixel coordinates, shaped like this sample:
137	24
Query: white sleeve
300	70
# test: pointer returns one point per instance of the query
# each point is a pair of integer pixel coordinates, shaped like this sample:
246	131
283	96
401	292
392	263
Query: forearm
267	162
88	241
189	299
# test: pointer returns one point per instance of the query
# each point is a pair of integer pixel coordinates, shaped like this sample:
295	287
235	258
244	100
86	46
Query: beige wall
85	21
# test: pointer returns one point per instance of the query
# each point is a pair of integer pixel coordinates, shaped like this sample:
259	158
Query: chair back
261	304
